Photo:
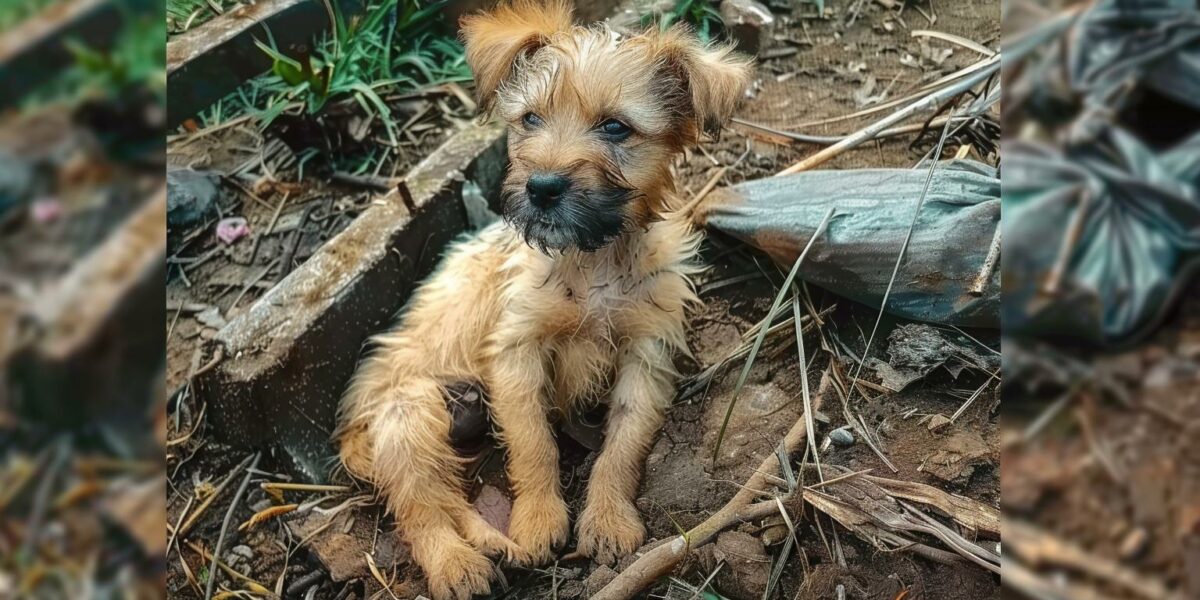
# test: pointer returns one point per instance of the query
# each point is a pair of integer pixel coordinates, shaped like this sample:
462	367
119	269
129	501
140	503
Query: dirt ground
1116	469
842	63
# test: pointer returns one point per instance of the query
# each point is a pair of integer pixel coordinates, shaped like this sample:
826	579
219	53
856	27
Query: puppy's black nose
545	189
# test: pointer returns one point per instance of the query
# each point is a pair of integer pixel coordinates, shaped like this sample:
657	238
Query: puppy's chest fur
589	307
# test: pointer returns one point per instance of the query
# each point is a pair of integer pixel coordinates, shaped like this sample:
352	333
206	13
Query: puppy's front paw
487	539
539	524
458	573
609	530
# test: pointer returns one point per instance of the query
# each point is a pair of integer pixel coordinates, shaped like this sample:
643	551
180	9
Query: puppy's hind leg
419	473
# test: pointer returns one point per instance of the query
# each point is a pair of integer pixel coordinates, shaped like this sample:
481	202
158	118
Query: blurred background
1100	475
82	236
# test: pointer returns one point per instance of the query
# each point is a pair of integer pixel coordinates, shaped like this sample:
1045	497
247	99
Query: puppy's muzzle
555	212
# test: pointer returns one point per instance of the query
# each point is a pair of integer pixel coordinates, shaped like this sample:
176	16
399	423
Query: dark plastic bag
1156	42
1098	239
874	207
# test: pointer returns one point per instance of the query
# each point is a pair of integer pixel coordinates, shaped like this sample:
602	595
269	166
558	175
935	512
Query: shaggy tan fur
546	331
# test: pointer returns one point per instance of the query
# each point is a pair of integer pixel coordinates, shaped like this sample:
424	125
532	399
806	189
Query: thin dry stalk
978	392
989	265
912	226
833	139
175	530
237	496
1067	250
1019	578
856	421
955	39
711	183
270	227
972	514
251	584
928	103
808	408
899	101
762	335
707	580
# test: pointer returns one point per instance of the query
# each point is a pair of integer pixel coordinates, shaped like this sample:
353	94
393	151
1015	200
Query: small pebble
842	436
938	422
242	551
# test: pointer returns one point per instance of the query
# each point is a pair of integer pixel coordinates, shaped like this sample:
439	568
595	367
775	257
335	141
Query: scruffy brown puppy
578	296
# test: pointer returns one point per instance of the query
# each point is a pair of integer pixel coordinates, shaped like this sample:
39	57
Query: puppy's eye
615	129
531	120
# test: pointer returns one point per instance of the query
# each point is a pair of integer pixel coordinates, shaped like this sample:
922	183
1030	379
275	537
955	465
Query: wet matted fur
564	303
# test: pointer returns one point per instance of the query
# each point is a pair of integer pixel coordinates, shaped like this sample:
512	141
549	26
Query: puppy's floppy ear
495	39
710	79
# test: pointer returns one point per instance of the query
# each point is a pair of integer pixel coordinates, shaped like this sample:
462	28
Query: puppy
579	295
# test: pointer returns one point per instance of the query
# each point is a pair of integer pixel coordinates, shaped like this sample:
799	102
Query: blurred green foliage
701	15
13	12
136	63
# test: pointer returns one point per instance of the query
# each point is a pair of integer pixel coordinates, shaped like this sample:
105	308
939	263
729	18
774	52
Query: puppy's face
594	121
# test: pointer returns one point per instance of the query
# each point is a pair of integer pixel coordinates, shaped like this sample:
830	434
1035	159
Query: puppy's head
594	120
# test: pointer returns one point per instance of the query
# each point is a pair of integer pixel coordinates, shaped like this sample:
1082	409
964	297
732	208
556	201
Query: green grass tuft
395	46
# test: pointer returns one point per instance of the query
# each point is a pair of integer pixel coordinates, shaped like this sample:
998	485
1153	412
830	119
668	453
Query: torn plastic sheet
942	279
1102	236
